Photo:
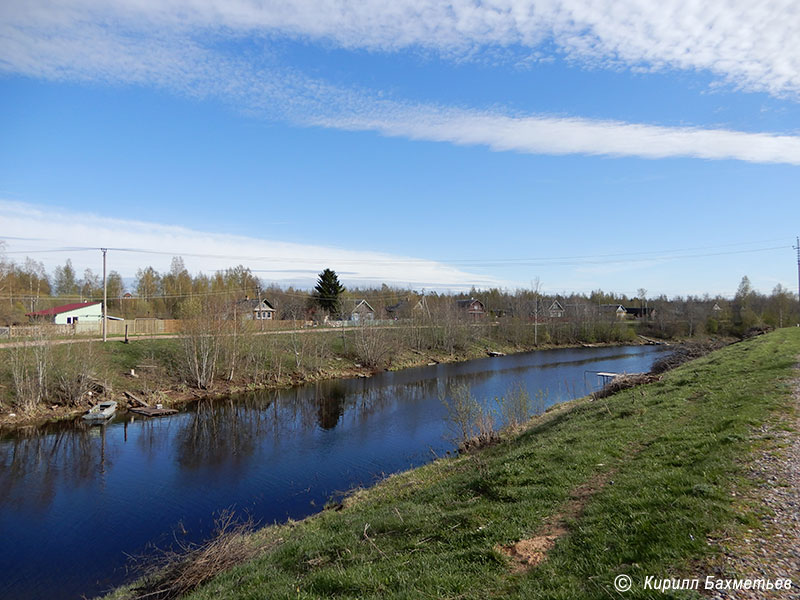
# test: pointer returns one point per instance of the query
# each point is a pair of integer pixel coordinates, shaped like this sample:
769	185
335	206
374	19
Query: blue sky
616	145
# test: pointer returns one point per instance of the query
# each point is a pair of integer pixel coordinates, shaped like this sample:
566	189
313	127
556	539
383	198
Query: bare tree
73	371
202	329
30	364
373	345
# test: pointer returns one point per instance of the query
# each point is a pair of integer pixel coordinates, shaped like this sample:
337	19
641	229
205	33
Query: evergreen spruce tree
327	291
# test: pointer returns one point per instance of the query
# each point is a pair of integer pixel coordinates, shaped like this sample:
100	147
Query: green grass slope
636	483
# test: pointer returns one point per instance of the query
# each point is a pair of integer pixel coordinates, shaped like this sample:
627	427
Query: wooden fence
135	327
94	328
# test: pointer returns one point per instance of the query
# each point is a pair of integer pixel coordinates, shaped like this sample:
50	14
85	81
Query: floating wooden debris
652	342
152	411
493	353
135	399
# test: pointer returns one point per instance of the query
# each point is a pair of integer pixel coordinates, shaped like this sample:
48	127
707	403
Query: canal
77	501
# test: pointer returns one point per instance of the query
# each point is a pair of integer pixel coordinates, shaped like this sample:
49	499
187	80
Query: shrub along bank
637	483
47	378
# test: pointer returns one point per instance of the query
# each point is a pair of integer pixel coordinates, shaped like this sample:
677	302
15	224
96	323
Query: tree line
27	287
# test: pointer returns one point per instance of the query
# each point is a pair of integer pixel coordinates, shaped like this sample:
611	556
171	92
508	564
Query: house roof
613	306
467	303
253	304
358	303
639	310
402	305
61	309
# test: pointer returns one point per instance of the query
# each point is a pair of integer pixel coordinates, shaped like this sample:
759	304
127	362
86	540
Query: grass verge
652	468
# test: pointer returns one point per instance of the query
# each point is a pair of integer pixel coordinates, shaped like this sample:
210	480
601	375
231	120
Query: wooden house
360	310
617	310
257	310
408	308
475	309
638	312
556	311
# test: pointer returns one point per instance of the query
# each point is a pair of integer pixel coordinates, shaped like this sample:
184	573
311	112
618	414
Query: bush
73	372
373	346
471	423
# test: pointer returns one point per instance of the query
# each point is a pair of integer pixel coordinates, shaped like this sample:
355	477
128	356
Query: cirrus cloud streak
180	45
559	136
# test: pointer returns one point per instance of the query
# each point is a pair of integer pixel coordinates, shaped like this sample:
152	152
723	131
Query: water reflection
331	405
91	494
218	436
33	466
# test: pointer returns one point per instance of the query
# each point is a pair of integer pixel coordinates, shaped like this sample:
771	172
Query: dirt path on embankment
773	549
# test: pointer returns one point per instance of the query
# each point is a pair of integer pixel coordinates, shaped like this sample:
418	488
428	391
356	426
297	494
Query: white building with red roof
69	314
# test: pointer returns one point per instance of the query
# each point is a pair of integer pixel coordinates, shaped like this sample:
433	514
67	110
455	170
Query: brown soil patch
527	553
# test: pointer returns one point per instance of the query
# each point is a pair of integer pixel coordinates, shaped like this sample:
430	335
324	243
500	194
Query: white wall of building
90	313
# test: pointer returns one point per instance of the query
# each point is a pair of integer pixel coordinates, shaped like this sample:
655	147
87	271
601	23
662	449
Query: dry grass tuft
623	382
178	572
684	353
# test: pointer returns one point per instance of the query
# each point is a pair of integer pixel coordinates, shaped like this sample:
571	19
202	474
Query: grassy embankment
635	483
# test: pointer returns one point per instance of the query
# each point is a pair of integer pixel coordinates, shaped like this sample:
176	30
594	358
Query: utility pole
797	247
535	287
105	296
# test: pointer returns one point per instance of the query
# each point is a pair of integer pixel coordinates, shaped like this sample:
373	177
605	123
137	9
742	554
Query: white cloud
548	135
178	45
752	44
31	229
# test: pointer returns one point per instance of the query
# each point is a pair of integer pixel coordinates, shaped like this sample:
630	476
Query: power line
487	262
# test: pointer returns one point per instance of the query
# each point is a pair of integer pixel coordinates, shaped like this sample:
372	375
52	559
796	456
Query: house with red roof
69	314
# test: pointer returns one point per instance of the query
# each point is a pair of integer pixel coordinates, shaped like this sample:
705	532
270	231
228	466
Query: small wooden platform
607	376
149	411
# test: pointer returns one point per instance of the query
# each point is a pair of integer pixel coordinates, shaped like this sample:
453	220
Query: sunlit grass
667	454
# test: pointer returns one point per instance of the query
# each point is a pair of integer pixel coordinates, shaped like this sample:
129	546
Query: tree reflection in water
75	499
35	465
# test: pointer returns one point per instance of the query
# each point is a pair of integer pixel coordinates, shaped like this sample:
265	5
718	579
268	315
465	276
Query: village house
472	307
259	310
360	310
407	308
70	314
556	311
617	310
637	312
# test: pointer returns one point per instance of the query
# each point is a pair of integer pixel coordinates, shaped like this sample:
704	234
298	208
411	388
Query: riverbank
155	379
637	484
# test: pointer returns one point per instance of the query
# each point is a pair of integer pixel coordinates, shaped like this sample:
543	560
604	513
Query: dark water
75	501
